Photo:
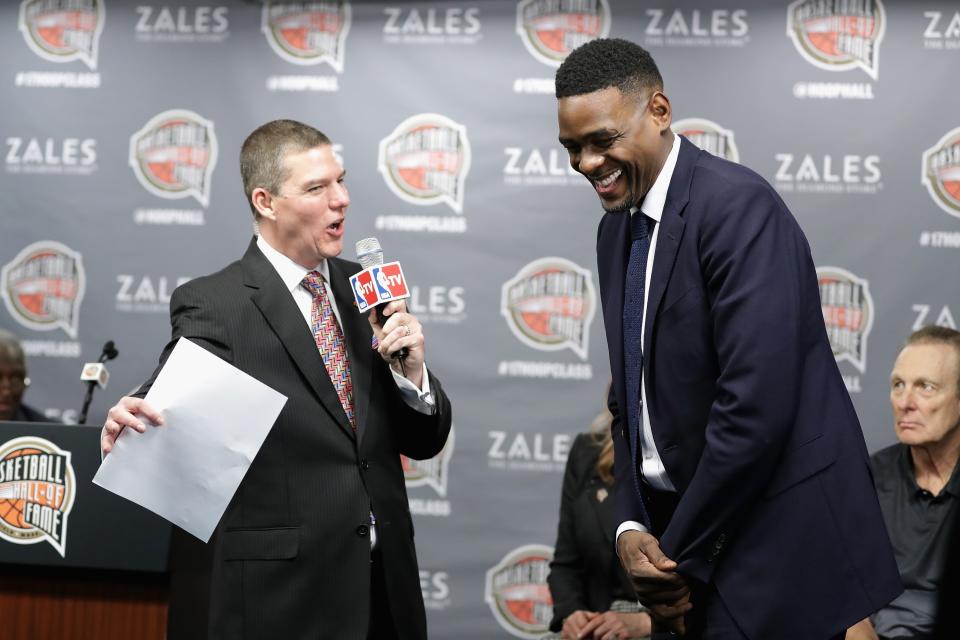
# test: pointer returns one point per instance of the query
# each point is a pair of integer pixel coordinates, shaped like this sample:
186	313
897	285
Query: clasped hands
606	625
658	585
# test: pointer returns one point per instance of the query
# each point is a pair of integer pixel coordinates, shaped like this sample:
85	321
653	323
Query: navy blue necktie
633	310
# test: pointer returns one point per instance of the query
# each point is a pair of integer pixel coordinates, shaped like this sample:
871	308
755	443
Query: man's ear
661	110
263	202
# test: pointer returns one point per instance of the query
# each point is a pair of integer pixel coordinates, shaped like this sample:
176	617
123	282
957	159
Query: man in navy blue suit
743	487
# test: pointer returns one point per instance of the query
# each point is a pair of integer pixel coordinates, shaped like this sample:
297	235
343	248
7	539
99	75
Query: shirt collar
906	467
289	271
953	484
656	197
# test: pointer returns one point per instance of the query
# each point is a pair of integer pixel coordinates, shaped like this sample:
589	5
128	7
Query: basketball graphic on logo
11	509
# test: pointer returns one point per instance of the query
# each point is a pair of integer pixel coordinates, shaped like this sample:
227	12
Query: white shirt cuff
420	400
629	525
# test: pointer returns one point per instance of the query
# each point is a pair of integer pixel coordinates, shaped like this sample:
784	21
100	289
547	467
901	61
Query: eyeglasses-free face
13	382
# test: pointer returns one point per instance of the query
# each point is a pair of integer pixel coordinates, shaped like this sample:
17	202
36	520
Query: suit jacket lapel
668	240
613	253
281	312
358	336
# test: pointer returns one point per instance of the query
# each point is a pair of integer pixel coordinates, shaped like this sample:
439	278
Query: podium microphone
95	374
378	283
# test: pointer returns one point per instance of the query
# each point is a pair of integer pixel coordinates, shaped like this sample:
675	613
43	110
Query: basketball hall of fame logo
549	305
848	312
63	30
43	287
516	591
37	489
941	172
429	473
709	136
307	33
425	160
838	35
174	154
551	29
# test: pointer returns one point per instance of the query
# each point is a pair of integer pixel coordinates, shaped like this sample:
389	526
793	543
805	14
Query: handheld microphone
95	374
378	283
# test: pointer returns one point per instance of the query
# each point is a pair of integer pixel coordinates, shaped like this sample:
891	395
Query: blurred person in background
592	596
14	381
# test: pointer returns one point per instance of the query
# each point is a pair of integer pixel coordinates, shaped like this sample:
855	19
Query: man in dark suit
743	485
318	540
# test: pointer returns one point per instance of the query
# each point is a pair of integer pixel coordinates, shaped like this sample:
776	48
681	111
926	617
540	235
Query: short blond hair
264	153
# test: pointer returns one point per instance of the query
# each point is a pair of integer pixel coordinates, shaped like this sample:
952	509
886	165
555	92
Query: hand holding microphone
381	289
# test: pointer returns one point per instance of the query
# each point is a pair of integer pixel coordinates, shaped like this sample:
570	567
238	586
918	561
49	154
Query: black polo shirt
918	524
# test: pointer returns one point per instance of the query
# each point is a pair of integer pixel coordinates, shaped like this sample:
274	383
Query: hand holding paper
215	419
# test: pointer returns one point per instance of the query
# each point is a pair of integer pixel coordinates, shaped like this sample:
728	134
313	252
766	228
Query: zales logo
37	488
516	591
435	588
535	167
851	174
425	160
941	172
438	303
145	294
307	33
51	156
63	30
551	29
718	27
452	25
838	35
526	452
941	32
183	24
174	154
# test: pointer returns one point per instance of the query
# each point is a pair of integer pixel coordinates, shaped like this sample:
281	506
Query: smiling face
305	220
924	395
618	141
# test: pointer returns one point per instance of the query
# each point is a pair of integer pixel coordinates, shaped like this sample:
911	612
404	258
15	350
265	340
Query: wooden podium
76	561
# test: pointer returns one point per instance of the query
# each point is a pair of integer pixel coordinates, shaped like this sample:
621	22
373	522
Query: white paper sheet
216	418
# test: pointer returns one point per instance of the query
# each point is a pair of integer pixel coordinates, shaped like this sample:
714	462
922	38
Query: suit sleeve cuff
420	400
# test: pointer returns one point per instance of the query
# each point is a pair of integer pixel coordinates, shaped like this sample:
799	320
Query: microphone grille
369	252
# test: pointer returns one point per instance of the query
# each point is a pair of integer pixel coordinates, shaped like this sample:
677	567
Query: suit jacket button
363	530
364	464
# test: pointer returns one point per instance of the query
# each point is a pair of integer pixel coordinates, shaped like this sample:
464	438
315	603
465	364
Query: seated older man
14	381
917	480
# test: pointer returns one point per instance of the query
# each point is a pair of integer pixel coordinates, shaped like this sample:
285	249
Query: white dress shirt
651	465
